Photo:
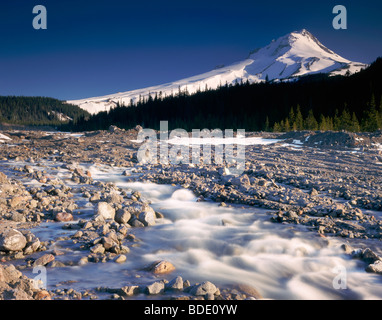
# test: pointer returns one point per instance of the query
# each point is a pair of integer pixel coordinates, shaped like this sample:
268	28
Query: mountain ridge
291	56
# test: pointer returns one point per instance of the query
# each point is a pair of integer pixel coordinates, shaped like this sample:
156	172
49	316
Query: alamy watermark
40	20
340	20
340	280
193	150
40	280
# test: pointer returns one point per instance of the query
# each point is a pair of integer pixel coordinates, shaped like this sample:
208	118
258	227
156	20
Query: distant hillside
316	102
38	111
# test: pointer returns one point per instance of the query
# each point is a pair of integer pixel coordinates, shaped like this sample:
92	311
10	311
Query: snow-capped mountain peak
289	57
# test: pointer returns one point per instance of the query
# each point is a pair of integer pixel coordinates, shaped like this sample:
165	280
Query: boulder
147	217
375	267
175	284
12	240
161	267
123	216
105	210
203	288
155	288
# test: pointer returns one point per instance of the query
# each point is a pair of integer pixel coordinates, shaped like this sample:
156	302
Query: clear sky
93	48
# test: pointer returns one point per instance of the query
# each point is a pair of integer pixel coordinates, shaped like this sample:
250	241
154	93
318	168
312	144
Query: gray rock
12	240
120	258
17	217
376	267
43	260
123	216
32	246
314	192
147	217
155	288
369	256
28	169
204	288
114	198
129	290
98	248
105	210
175	284
136	223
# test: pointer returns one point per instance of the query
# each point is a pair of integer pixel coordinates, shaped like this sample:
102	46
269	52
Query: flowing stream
225	245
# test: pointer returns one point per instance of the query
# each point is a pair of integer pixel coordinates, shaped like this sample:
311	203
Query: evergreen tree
277	127
266	127
323	126
336	121
345	121
292	118
299	121
355	127
311	122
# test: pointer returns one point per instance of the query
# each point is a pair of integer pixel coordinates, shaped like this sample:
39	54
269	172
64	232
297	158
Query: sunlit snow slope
293	55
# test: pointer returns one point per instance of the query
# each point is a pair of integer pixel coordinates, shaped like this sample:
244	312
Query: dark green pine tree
310	121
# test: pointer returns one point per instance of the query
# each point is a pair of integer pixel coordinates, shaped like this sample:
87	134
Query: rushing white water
225	245
240	245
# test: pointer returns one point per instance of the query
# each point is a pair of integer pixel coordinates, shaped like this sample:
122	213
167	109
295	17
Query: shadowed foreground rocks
15	286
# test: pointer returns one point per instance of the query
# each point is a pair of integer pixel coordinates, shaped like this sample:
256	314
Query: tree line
315	102
37	111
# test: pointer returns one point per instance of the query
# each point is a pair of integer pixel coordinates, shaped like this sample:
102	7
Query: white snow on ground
217	141
4	138
295	54
297	142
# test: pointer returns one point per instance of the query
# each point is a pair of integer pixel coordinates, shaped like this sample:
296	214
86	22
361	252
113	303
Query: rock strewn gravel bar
328	186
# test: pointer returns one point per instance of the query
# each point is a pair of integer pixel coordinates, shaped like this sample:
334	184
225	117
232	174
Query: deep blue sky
102	47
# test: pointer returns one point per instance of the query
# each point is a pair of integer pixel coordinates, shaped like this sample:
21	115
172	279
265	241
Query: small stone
348	249
203	289
56	264
63	217
130	290
314	192
136	223
248	291
161	267
175	284
83	261
120	258
17	217
155	288
43	295
98	248
78	234
87	225
43	260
